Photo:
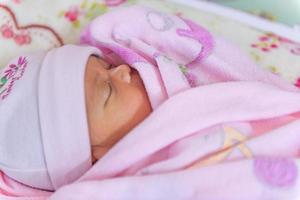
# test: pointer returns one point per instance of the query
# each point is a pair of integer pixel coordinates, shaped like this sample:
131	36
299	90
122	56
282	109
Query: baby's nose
122	72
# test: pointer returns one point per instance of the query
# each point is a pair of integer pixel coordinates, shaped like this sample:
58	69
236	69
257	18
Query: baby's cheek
99	133
143	107
135	107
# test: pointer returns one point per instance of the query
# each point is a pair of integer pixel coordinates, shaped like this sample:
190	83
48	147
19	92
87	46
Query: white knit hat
44	139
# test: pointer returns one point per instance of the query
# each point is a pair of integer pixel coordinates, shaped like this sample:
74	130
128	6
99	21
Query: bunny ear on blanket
17	38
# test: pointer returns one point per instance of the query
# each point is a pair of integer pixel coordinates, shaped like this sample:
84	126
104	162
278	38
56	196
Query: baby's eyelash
110	92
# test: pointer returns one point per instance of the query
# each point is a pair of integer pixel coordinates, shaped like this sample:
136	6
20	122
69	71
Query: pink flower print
22	39
264	38
201	35
7	31
22	61
284	40
267	42
114	2
294	47
13	68
276	172
16	1
72	14
10	72
11	75
297	84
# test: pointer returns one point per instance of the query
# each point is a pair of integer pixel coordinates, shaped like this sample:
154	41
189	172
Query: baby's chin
98	152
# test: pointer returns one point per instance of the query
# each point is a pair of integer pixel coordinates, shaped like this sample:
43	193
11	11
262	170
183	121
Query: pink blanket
222	128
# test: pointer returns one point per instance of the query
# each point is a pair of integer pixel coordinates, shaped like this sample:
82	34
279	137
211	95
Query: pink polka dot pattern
276	172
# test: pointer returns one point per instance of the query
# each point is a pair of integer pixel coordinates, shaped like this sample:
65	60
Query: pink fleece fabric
222	128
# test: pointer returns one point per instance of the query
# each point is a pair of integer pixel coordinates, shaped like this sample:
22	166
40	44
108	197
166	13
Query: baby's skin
116	102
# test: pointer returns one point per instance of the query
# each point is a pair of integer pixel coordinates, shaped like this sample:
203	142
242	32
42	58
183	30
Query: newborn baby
64	109
69	106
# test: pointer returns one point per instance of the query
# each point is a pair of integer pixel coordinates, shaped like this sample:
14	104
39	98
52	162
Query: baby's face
116	102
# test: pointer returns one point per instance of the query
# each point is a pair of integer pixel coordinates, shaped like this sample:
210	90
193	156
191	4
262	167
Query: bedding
47	24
